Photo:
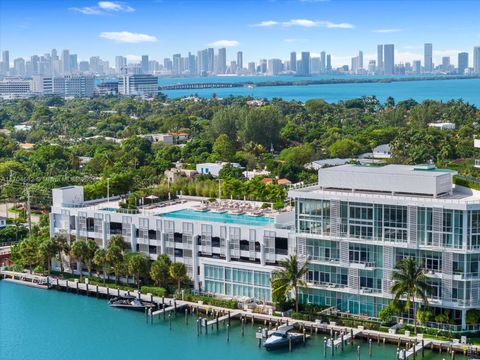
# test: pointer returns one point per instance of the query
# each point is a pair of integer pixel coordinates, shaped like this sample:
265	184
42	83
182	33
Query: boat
129	302
255	213
236	212
218	210
281	337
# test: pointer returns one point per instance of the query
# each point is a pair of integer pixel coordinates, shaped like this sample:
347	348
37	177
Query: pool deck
95	290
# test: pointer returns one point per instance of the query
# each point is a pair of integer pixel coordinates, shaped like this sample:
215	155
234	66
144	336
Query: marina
345	340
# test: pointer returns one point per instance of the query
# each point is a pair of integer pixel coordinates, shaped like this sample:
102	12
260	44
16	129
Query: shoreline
300	82
310	327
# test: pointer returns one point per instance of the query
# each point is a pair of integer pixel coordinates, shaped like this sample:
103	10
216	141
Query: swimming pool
219	217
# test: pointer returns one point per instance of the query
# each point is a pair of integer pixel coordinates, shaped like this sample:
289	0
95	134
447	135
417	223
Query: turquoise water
466	89
217	217
47	324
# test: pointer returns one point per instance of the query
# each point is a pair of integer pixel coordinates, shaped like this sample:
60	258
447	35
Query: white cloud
306	23
301	22
387	31
88	10
267	23
224	43
332	25
115	6
104	7
127	37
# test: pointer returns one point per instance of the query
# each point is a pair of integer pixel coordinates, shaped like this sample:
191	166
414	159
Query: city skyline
273	30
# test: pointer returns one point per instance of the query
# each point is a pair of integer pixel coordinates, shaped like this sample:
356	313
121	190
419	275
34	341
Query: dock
170	305
230	315
346	337
415	349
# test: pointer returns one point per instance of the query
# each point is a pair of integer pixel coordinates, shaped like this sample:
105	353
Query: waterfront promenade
248	316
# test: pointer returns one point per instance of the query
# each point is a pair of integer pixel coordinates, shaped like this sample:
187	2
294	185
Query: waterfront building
417	66
139	84
329	62
462	62
354	226
225	254
389	59
275	66
379	59
428	57
222	61
240	61
322	62
476	59
358	222
304	63
293	61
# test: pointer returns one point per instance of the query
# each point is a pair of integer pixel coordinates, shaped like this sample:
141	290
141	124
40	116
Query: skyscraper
360	60
379	59
120	65
73	62
5	62
211	60
305	64
240	60
293	61
476	59
322	62
222	61
389	59
19	67
65	62
462	62
177	66
427	58
417	66
445	63
329	62
144	64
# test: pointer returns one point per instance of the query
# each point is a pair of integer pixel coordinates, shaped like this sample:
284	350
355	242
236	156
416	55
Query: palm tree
114	256
79	251
100	261
47	250
159	271
90	251
289	277
178	272
409	280
137	265
62	247
117	240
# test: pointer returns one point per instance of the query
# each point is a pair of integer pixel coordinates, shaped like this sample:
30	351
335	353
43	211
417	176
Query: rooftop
401	179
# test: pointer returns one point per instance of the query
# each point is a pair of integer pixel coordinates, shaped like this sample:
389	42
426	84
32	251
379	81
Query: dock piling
324	346
370	347
228	332
186	316
358	352
290	344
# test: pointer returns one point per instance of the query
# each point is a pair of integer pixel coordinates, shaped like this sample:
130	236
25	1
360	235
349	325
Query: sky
262	29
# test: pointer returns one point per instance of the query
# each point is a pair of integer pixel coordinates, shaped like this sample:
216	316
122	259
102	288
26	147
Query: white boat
218	211
236	212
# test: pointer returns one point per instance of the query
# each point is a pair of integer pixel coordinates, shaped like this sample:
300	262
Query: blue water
217	217
466	89
38	324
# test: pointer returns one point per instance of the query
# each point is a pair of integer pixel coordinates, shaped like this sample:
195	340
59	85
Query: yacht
281	337
129	302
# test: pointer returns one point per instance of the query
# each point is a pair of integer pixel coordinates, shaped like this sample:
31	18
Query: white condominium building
354	226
